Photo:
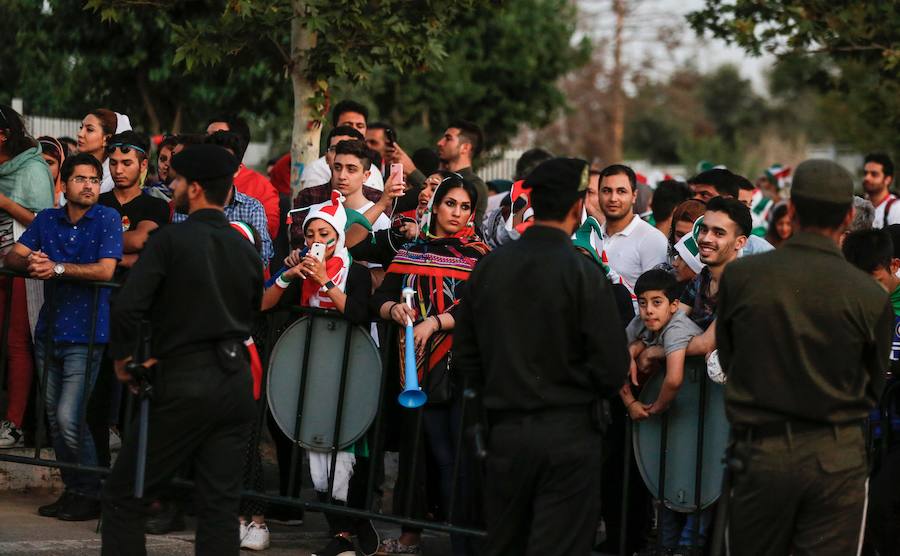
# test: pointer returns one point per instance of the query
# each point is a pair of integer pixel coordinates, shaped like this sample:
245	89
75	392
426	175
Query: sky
641	38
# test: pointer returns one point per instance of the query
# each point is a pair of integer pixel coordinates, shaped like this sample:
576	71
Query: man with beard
632	245
543	387
200	285
82	240
877	180
723	232
238	206
460	144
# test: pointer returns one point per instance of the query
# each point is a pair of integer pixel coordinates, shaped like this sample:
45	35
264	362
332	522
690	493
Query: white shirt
635	250
381	223
893	217
107	184
319	172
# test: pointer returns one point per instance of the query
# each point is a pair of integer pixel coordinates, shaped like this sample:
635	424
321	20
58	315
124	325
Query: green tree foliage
69	61
692	117
313	42
861	49
502	72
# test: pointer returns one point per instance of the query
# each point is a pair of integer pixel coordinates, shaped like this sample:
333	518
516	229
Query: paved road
24	533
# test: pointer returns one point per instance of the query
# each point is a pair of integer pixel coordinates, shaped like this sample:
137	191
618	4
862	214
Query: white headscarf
122	124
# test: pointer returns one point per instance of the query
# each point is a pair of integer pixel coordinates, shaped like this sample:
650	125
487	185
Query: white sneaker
115	441
243	532
257	537
11	436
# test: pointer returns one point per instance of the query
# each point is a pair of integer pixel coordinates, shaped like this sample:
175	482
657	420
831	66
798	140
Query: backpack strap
887	210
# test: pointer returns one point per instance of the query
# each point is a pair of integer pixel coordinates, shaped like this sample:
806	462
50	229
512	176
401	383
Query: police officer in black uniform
538	333
200	285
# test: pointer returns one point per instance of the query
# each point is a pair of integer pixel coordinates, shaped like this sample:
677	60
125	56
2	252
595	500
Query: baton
145	391
140	470
720	523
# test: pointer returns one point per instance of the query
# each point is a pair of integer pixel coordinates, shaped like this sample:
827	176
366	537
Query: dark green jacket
802	335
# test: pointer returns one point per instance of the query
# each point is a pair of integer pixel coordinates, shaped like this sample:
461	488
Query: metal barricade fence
468	410
41	370
706	427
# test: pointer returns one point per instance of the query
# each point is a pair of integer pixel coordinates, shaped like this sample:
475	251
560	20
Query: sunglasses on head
124	147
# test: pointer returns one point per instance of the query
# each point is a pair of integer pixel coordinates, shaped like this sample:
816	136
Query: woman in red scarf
436	267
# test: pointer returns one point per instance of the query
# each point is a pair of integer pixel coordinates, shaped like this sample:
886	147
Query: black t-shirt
143	207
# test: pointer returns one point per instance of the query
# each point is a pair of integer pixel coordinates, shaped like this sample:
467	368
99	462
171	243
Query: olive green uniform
804	338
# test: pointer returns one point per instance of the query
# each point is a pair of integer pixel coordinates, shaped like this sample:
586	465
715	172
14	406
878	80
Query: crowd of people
366	221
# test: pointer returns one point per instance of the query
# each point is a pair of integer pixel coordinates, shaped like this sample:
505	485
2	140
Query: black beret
559	174
204	162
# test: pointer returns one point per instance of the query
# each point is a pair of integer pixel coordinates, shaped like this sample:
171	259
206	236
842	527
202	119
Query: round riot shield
681	445
304	381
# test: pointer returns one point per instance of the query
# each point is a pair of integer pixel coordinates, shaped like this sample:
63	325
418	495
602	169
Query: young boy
659	323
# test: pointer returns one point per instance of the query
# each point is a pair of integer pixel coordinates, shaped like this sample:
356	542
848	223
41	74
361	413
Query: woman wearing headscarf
26	187
335	283
54	154
436	267
96	128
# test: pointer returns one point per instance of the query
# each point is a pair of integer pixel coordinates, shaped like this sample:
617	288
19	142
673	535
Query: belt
783	428
190	361
496	416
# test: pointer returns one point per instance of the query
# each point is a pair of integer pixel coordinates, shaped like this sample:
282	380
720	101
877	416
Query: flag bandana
588	237
778	175
760	207
520	194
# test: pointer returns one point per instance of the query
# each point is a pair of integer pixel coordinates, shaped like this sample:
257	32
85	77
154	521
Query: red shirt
254	184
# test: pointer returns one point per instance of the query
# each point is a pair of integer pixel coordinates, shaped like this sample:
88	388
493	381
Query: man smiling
722	234
632	245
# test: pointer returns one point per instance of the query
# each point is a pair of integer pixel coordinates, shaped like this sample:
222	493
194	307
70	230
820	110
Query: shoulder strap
887	210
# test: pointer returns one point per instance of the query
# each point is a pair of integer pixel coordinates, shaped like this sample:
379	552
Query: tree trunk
617	123
176	121
149	108
307	130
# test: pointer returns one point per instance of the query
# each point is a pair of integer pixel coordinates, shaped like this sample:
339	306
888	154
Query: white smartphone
317	250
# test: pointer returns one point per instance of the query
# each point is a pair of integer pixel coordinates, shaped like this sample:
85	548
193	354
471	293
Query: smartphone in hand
317	250
397	174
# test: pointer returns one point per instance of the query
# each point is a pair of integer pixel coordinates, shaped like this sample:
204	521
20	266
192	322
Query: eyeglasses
81	180
124	147
332	148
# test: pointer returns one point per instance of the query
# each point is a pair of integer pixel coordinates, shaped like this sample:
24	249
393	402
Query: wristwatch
59	269
328	285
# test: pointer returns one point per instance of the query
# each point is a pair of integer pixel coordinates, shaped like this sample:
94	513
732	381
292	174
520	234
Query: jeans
677	529
68	386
